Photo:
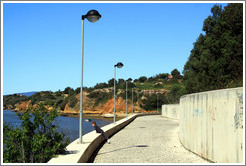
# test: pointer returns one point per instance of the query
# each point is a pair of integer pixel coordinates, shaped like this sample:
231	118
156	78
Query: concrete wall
170	111
81	153
211	124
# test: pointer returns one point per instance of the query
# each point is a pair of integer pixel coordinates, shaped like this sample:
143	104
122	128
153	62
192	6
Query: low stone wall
171	111
211	124
81	153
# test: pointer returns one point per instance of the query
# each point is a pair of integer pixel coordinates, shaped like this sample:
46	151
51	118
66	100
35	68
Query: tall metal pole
114	90
157	103
132	100
81	88
126	98
137	97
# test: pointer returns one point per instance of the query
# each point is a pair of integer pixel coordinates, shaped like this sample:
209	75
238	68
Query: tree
151	79
142	79
101	85
120	81
77	90
163	75
175	93
150	102
175	73
36	140
216	60
67	90
111	82
121	84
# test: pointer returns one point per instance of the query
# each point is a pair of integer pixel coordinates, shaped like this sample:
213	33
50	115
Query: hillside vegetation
99	99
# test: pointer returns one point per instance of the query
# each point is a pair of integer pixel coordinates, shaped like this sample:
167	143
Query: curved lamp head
92	16
119	65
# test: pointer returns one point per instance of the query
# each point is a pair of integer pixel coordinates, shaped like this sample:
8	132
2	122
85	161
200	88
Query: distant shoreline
84	115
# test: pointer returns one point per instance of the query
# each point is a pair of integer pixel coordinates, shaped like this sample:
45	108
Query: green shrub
72	101
150	103
63	104
175	93
36	140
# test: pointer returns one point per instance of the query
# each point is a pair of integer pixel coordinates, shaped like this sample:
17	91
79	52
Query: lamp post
119	65
138	97
132	100
157	103
92	16
126	93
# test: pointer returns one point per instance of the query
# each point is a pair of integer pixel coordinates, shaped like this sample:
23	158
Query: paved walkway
148	139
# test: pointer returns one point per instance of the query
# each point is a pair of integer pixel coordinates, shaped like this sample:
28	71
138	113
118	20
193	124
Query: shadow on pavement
91	160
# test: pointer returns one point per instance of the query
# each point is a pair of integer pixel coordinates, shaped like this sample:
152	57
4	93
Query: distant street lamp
119	65
137	98
92	16
126	93
157	102
132	101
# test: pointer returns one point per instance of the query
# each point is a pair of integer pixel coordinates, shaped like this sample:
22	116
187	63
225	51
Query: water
68	125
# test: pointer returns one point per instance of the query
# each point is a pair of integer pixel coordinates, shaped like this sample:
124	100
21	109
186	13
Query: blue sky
42	42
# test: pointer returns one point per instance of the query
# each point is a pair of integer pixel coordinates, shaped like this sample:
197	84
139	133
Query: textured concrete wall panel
211	124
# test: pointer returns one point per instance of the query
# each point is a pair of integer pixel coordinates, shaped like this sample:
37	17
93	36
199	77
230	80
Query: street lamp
119	65
126	93
137	98
132	101
92	16
157	102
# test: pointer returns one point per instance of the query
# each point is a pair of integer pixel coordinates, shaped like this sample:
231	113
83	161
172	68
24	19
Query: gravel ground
148	139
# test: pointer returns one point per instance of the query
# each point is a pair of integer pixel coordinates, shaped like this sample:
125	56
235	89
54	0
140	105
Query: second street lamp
119	65
92	16
126	93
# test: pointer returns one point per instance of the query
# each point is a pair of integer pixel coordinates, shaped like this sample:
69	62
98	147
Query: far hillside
164	87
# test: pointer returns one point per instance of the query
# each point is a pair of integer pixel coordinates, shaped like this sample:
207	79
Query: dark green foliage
36	140
142	79
111	82
100	96
162	76
151	79
122	84
58	94
63	104
158	85
176	74
59	102
9	101
120	81
101	85
77	91
150	103
175	93
73	101
135	94
42	96
216	60
71	92
87	89
68	90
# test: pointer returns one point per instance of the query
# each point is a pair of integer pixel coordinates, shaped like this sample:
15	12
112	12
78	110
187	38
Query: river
68	125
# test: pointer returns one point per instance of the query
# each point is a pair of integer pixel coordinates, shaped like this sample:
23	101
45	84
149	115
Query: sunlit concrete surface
148	139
